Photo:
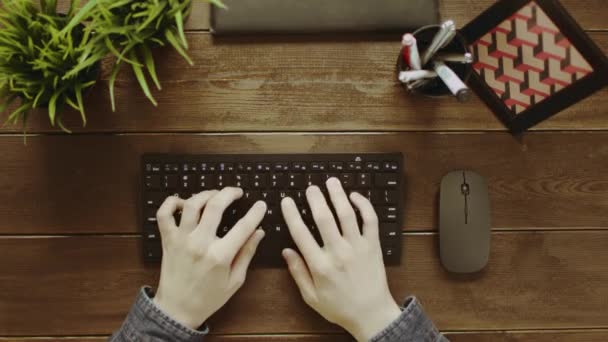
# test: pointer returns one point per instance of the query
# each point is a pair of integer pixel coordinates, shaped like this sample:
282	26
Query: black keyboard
270	178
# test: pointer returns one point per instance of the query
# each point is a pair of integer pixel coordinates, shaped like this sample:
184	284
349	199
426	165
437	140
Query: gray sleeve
411	326
146	322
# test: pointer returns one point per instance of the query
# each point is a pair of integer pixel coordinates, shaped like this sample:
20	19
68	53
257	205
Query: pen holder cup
435	87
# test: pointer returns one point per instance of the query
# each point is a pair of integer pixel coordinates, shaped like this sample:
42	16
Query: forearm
146	322
411	325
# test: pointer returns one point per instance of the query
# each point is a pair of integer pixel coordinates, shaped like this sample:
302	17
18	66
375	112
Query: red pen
411	56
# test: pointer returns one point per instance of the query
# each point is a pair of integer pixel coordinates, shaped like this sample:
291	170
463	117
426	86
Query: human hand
345	280
200	271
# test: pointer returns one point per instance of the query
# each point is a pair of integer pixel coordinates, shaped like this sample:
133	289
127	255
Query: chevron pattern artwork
526	59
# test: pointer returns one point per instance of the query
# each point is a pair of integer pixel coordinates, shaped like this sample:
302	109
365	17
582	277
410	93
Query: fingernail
333	181
260	204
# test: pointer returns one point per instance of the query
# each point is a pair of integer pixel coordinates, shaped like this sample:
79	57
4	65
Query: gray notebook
314	16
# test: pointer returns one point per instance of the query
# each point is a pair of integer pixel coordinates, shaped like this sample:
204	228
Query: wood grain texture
490	336
296	84
85	285
89	183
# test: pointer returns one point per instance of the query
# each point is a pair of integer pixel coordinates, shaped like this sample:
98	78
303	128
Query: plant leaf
142	79
112	81
174	42
79	17
179	20
149	62
78	91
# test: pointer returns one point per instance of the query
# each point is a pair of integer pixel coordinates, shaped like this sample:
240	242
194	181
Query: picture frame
532	60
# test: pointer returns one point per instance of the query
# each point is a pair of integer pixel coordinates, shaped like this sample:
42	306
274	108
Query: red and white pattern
526	59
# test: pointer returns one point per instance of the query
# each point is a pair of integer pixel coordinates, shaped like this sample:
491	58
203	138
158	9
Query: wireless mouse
464	222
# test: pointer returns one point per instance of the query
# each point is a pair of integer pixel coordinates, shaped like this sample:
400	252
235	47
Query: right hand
344	281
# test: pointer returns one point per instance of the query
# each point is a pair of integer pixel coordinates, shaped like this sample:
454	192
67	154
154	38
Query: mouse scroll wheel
465	189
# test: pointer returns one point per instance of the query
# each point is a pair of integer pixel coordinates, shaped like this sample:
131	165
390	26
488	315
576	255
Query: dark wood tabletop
70	252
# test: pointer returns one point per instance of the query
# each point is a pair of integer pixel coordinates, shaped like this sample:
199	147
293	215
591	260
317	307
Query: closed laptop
315	16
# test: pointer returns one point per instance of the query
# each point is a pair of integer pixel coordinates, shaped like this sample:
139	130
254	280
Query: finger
368	214
243	259
193	206
344	210
214	210
242	230
323	217
299	232
164	215
301	275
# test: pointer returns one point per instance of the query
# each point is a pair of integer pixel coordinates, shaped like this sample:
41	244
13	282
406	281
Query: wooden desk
70	258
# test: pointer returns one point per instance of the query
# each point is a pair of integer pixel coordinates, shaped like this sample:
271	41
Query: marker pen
414	75
452	81
410	51
446	33
466	58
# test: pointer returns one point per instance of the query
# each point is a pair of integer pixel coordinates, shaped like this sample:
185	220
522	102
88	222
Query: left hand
200	272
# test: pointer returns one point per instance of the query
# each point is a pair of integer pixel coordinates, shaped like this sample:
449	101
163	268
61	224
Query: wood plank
89	183
462	11
531	336
85	285
490	336
296	84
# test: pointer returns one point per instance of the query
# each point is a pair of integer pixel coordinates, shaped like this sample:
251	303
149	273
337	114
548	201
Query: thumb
301	275
243	259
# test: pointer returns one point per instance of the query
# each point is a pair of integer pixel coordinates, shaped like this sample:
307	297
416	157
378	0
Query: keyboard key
189	167
281	167
250	197
187	182
390	166
299	167
169	182
270	197
206	182
367	193
152	182
244	167
318	166
241	181
336	166
314	179
363	180
225	167
273	215
259	181
389	230
387	214
348	180
354	166
207	167
152	250
154	199
278	180
327	176
372	166
262	167
171	168
386	180
385	197
152	168
297	196
225	180
295	181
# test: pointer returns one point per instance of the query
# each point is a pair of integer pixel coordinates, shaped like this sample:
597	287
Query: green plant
129	29
43	63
